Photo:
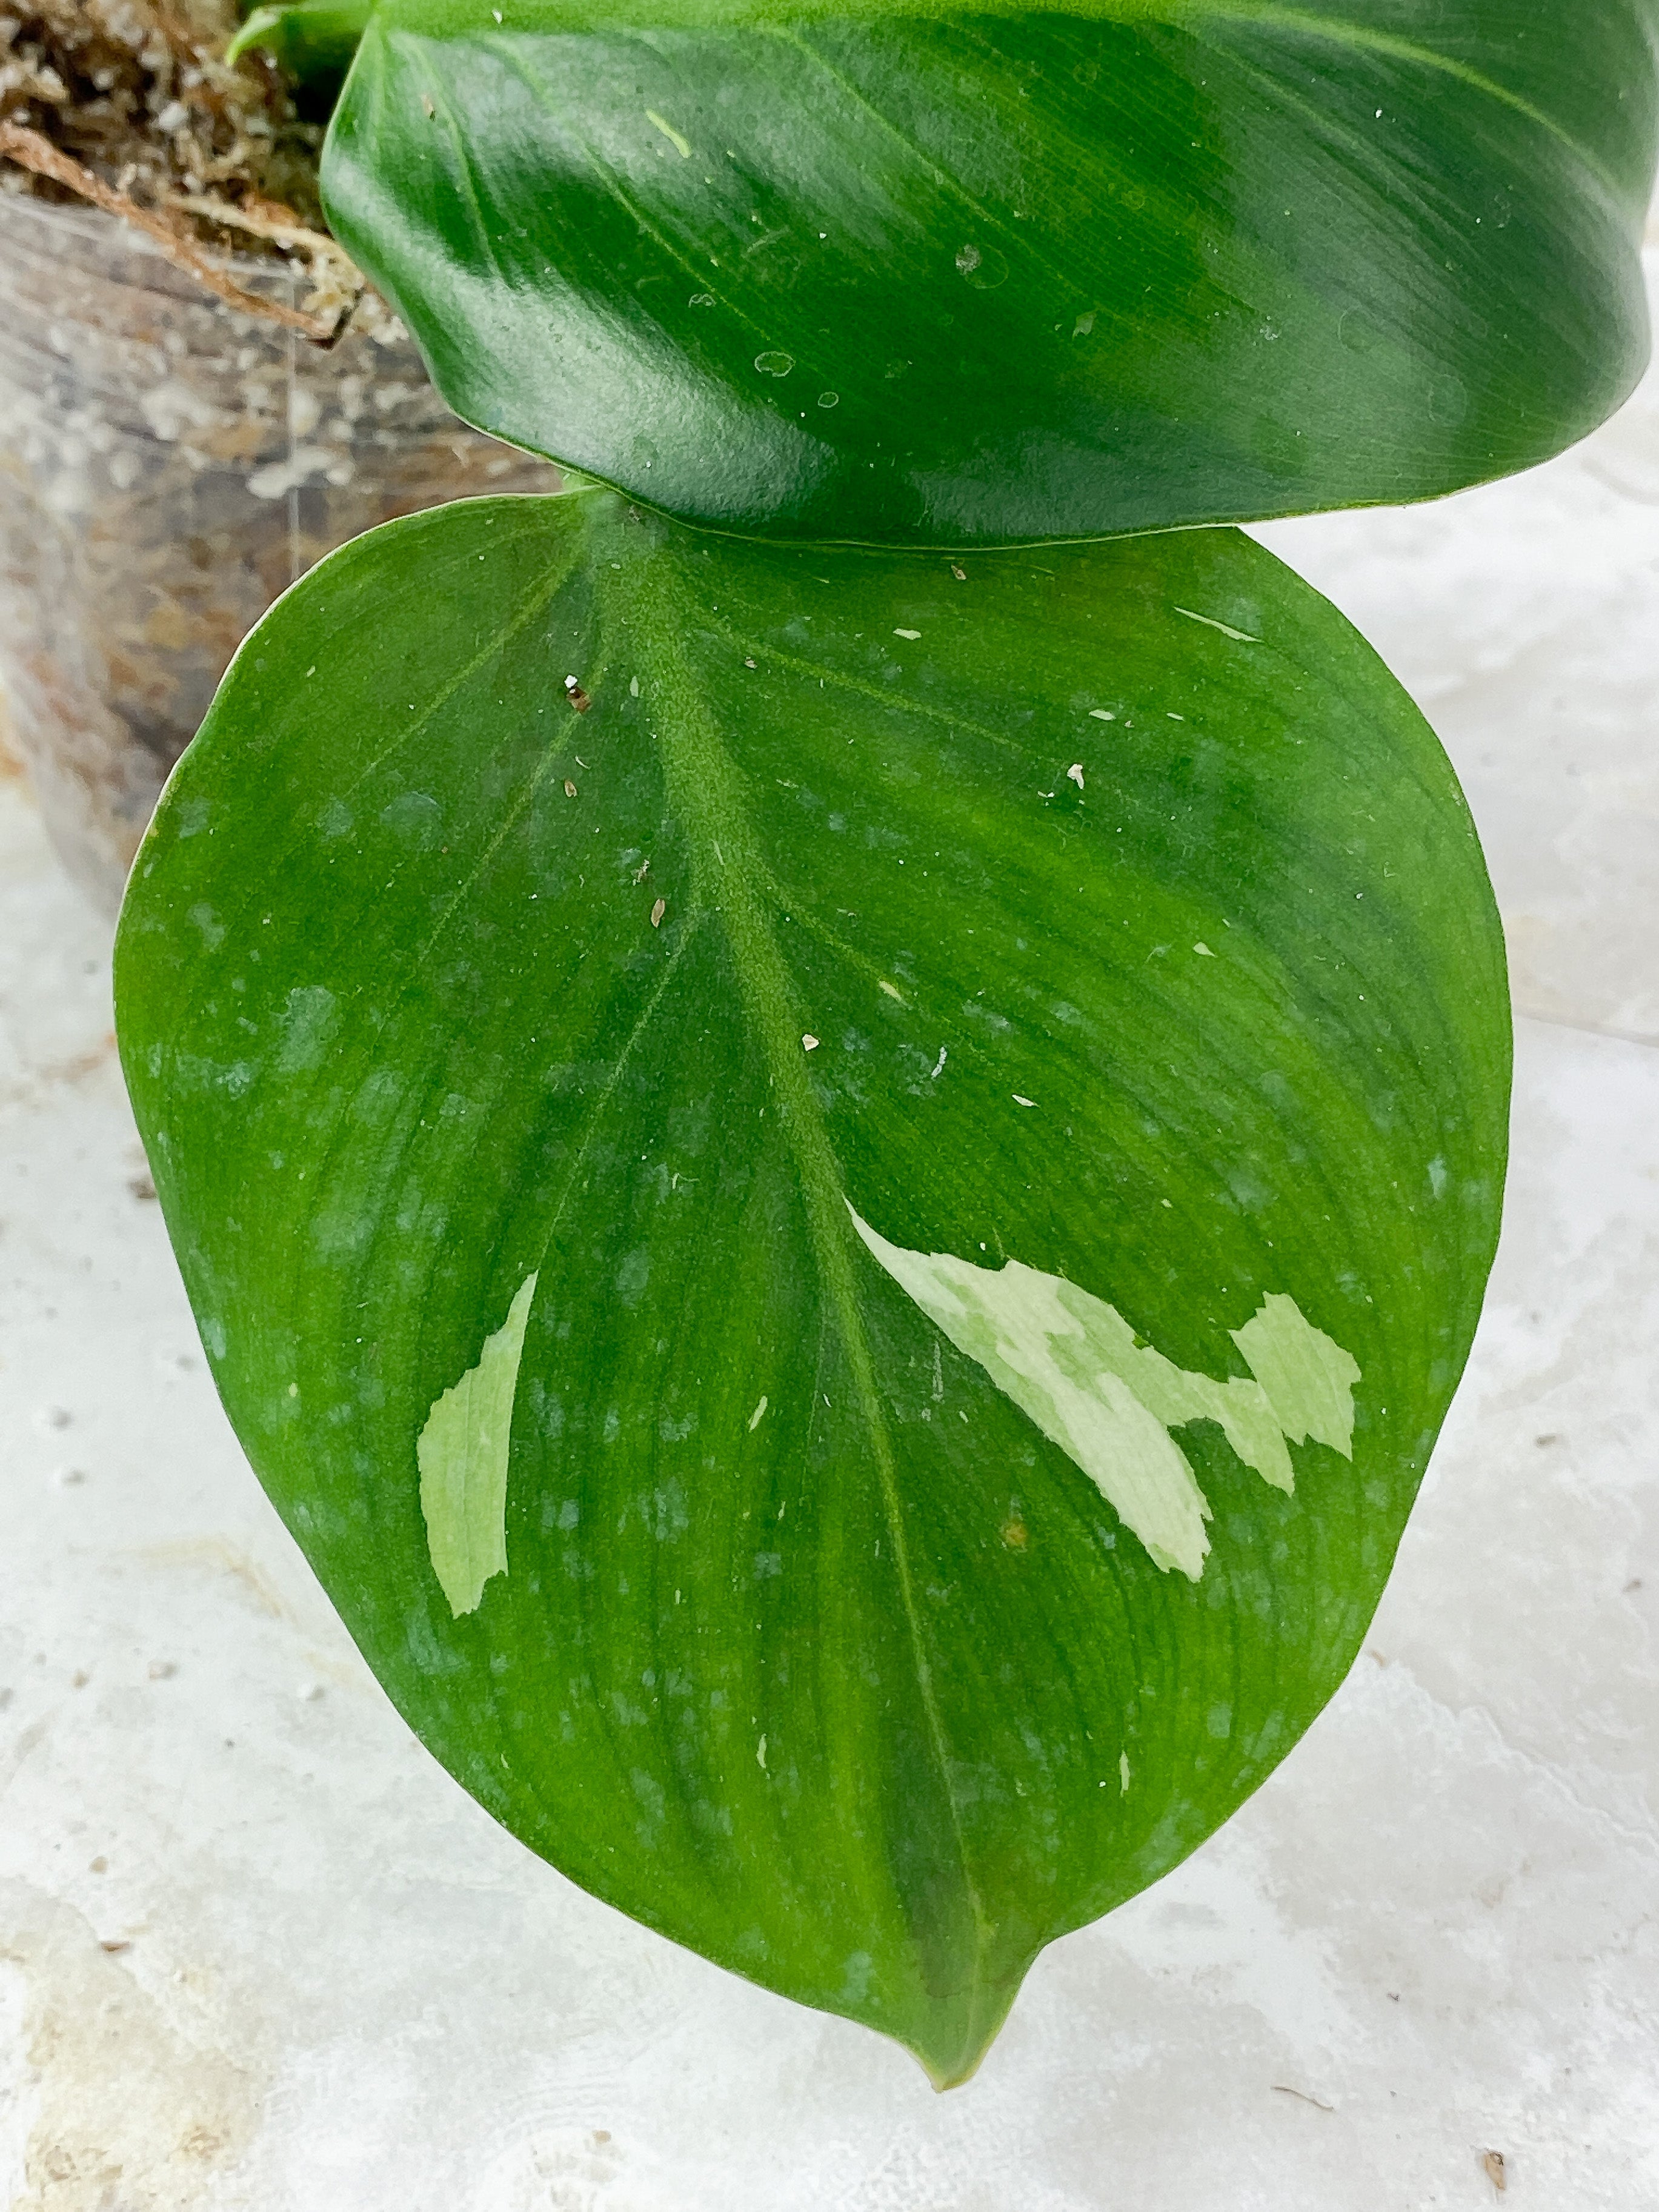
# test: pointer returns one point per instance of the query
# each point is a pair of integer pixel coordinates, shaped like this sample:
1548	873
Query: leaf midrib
705	793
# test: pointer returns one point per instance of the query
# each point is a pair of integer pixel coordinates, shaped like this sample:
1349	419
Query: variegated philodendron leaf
838	1193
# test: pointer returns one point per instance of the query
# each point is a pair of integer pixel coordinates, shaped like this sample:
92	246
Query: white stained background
257	1950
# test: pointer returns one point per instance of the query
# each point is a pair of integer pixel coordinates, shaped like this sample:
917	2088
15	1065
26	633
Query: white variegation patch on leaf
463	1456
1074	1363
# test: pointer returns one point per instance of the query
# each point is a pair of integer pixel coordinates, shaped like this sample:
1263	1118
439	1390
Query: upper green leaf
960	1105
918	274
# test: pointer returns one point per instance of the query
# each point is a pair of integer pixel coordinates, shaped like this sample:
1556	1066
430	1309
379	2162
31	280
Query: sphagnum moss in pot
199	397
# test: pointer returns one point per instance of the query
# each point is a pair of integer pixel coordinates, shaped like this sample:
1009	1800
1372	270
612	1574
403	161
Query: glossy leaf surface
839	1193
914	275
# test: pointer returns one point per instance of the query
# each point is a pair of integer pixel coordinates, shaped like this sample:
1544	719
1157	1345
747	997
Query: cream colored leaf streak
462	1455
1071	1362
1309	1381
681	144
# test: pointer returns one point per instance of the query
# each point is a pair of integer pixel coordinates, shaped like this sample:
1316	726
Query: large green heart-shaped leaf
839	1194
903	274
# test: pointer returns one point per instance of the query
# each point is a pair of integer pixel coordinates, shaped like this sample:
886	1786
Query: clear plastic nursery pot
168	465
